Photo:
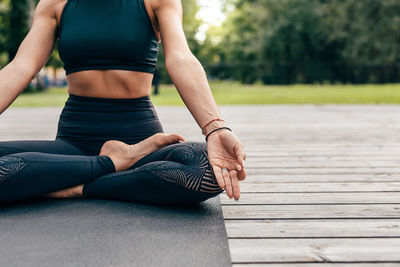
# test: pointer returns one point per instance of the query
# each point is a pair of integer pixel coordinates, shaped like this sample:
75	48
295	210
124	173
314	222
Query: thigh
52	147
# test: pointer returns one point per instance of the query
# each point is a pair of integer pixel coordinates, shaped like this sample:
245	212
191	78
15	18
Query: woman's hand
226	155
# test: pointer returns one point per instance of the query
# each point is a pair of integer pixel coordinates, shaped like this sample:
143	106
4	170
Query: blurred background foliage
271	41
308	41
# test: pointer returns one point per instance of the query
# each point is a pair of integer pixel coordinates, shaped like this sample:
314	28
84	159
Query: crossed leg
33	168
175	174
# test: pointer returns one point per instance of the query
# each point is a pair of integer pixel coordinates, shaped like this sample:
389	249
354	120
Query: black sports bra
107	34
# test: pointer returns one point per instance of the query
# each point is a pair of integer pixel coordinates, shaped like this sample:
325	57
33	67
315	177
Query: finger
228	183
239	167
235	184
218	176
179	138
170	138
241	156
241	175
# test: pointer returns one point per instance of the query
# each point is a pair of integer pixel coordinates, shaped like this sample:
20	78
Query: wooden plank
322	161
261	151
315	250
354	156
371	211
322	164
247	186
314	198
268	145
323	153
264	147
320	178
312	229
395	170
330	146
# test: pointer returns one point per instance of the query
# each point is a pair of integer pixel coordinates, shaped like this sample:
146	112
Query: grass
235	93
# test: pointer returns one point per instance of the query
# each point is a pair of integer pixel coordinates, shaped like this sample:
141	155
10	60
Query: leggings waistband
99	105
83	108
92	121
108	100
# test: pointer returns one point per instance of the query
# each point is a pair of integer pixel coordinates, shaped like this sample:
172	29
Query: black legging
175	174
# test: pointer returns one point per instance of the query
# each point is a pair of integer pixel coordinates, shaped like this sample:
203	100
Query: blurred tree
305	41
276	41
369	34
191	23
18	24
4	9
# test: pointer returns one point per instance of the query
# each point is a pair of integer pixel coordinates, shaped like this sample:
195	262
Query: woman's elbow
179	59
23	68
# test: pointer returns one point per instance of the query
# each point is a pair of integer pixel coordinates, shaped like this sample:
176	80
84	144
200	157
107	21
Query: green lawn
235	93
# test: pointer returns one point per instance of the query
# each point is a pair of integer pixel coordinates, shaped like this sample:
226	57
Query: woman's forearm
14	78
191	82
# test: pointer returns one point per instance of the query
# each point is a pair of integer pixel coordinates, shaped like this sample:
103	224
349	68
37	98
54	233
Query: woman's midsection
88	121
110	83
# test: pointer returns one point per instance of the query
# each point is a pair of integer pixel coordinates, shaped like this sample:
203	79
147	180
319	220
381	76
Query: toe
165	139
177	138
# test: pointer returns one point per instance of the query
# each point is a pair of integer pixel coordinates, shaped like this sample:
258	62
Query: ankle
78	191
117	162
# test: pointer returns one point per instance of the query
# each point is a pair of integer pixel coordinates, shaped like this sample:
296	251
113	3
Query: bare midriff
110	83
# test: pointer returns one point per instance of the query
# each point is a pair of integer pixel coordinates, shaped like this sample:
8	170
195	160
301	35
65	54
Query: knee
208	185
189	154
4	151
188	166
9	167
8	148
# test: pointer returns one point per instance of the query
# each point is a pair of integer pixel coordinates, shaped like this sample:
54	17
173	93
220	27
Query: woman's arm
224	149
31	56
183	67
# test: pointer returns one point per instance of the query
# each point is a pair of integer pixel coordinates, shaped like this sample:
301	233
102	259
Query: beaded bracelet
208	123
220	128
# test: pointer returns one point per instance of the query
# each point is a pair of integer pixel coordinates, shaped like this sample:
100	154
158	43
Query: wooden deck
323	185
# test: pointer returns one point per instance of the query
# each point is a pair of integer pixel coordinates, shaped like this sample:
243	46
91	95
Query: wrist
212	126
216	131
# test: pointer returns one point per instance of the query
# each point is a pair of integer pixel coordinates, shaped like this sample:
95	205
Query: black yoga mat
91	232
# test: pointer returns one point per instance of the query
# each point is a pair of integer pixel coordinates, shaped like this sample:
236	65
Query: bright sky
211	13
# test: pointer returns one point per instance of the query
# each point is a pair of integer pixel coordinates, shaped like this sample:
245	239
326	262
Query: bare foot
124	155
73	192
